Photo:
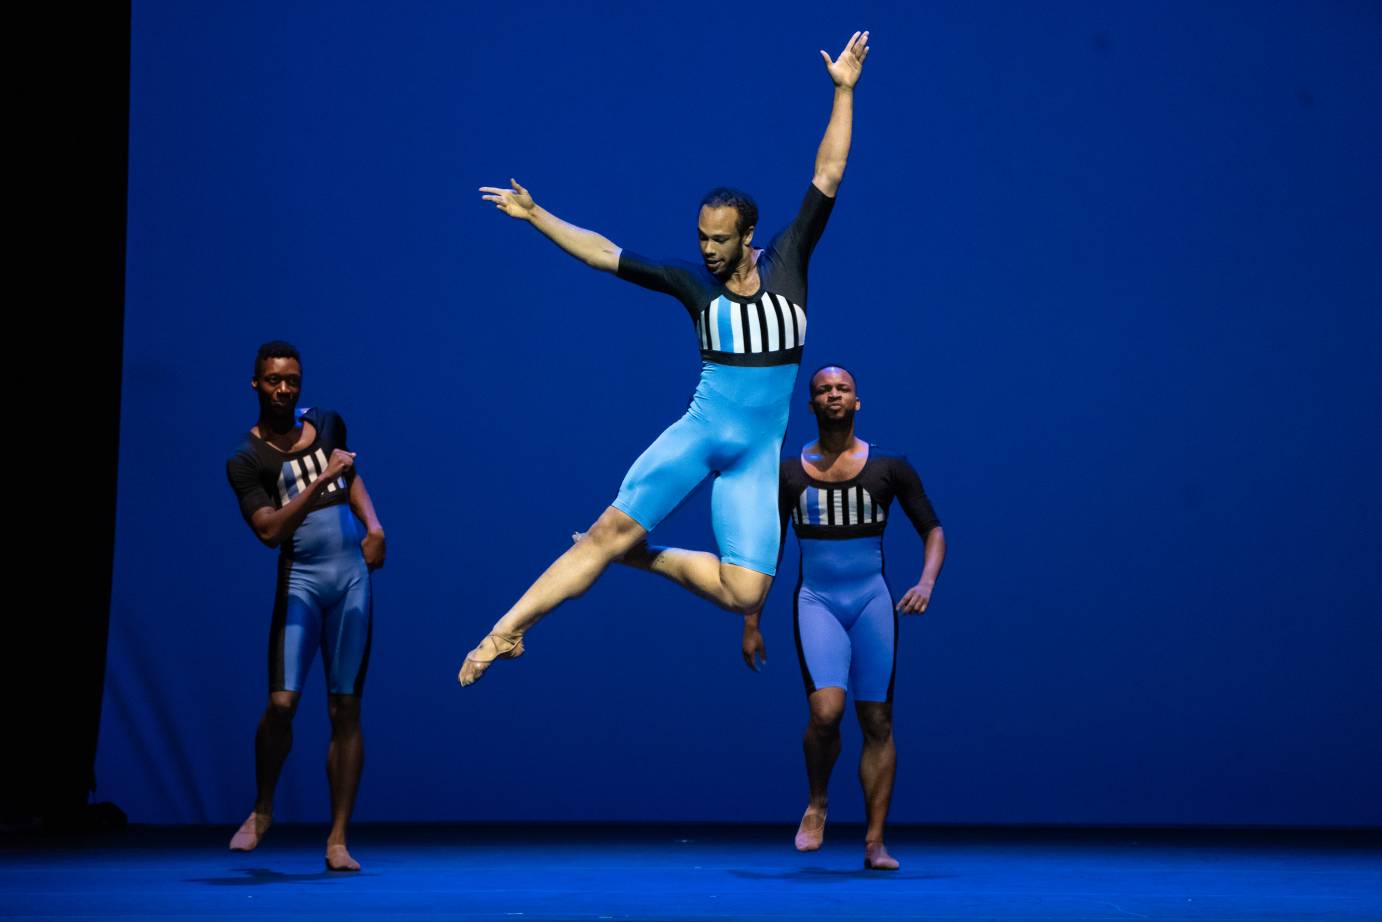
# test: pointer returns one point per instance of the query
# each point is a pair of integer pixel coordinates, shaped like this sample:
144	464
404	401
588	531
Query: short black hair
811	381
275	349
737	199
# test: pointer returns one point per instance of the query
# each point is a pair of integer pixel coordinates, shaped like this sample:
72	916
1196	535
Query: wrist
375	531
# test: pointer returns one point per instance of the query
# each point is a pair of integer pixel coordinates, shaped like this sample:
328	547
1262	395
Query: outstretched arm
587	246
834	149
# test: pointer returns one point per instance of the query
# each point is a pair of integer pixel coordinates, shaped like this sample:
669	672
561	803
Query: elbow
268	537
605	260
829	177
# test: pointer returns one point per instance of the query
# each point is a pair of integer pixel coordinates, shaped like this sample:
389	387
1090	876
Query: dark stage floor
725	872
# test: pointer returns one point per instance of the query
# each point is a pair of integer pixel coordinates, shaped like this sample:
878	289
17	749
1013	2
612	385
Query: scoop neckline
838	483
297	452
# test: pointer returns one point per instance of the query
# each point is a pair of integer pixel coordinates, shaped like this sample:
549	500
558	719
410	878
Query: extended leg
569	576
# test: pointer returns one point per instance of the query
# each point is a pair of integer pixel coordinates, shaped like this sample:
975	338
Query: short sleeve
911	495
338	423
243	474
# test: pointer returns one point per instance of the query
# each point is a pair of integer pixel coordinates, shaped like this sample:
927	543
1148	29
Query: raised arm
587	246
834	149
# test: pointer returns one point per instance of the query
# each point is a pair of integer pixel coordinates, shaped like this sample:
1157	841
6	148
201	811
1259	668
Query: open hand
515	202
753	647
915	600
845	69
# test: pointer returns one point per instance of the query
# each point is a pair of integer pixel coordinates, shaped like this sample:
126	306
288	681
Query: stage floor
666	872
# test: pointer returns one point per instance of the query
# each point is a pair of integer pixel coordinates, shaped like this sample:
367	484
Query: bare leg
345	760
569	576
727	585
877	769
821	746
272	743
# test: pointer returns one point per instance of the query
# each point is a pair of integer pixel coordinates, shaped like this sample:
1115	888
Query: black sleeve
786	499
673	277
338	437
243	474
912	496
796	243
340	427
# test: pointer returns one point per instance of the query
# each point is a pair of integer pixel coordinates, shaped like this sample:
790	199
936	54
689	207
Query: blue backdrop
1109	275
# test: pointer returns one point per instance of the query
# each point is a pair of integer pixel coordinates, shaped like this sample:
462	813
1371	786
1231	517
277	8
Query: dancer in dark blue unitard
299	491
838	495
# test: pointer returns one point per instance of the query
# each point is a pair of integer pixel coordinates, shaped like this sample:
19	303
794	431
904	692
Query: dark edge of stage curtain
66	404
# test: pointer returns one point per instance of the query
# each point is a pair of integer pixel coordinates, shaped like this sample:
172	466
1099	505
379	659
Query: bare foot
246	838
338	859
811	832
876	857
493	647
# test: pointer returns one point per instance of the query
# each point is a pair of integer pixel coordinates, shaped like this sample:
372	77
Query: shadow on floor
836	875
258	877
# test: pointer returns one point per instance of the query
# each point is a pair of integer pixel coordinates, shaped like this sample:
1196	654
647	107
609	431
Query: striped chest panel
768	331
842	506
299	474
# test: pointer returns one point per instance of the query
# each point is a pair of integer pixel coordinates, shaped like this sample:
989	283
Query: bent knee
745	590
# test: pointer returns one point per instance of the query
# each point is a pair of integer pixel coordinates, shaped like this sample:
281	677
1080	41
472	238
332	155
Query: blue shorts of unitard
846	624
323	600
732	431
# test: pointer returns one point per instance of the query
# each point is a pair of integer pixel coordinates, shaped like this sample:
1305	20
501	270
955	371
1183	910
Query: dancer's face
278	386
722	246
833	399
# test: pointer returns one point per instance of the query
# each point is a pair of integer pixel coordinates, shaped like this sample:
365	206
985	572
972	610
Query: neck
743	272
836	440
272	425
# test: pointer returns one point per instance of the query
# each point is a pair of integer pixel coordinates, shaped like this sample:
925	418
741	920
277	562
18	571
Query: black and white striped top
767	328
262	476
853	508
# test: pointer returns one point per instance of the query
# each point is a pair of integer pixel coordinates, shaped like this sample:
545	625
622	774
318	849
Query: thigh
666	473
296	628
873	638
346	633
743	509
823	646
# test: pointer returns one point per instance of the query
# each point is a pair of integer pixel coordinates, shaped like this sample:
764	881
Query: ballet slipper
246	838
876	857
494	646
338	859
811	832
